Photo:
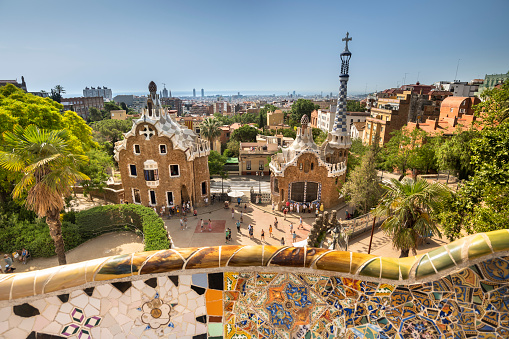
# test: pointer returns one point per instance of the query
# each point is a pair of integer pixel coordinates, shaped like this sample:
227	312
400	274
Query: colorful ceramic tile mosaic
247	292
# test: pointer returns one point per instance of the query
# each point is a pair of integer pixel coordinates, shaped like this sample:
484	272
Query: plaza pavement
260	217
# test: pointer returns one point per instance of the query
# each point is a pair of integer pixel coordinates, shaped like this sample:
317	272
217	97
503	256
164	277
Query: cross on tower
346	39
147	132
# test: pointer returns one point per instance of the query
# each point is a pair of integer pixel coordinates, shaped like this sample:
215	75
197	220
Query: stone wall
459	290
112	195
192	173
329	192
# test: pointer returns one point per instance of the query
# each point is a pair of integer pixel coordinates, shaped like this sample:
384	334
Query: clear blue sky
249	45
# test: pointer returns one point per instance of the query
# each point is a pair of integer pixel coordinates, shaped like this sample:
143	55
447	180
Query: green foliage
245	133
234	147
34	236
228	153
320	137
482	202
209	129
102	219
354	106
288	132
455	153
357	151
94	114
217	163
96	169
362	188
299	108
412	208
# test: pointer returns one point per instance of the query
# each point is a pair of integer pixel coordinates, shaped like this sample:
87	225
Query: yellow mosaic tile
371	269
478	247
5	287
139	258
204	258
226	253
455	249
68	276
406	265
115	267
358	259
292	256
441	258
23	285
247	256
164	261
499	240
336	261
268	253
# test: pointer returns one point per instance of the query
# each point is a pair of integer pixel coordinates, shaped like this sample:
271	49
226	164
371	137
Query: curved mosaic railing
268	292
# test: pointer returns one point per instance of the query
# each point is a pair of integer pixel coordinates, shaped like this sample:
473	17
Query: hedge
141	219
34	236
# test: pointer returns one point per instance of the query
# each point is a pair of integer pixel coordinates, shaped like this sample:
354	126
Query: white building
326	118
92	92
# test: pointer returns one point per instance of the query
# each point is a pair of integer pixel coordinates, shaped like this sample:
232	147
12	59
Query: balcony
154	183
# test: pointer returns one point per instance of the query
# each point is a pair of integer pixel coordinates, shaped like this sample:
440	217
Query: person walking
294	236
284	213
251	231
262	236
201	225
282	241
270	231
300	223
238	226
233	213
229	234
275	222
226	236
210	225
181	224
185	223
291	228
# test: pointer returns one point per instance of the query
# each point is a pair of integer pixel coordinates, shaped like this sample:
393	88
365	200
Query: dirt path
103	246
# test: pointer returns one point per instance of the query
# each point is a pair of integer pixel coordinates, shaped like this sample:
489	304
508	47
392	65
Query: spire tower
339	131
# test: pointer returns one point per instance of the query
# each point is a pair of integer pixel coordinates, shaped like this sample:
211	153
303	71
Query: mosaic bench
459	290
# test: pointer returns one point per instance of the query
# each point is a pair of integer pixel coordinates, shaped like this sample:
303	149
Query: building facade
304	173
93	92
491	81
81	105
161	162
174	104
275	118
21	84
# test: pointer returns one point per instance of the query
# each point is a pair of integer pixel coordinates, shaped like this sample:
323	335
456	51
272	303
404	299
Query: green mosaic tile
406	264
499	240
455	250
478	247
371	269
441	259
390	268
215	329
424	268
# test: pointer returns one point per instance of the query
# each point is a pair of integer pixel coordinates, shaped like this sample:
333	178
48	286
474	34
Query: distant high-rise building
294	94
194	92
165	92
202	93
93	92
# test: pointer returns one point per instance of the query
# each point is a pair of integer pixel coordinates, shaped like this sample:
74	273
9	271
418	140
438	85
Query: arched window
312	165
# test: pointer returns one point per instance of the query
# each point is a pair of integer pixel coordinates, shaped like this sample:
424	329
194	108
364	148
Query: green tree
48	168
362	188
288	132
94	114
124	106
96	170
411	207
354	106
245	133
234	147
401	151
320	137
455	153
299	108
56	93
357	151
216	165
209	129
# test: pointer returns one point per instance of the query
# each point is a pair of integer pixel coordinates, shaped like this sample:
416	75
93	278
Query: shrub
102	219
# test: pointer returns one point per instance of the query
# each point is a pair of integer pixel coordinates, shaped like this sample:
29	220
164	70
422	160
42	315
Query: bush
102	219
34	236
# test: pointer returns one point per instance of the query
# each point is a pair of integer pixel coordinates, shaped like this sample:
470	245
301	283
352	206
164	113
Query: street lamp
260	175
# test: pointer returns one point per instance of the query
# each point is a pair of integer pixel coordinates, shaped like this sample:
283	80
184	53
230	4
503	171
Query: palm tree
410	207
59	89
209	129
48	170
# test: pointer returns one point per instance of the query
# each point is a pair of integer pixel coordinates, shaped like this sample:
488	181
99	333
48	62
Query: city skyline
270	47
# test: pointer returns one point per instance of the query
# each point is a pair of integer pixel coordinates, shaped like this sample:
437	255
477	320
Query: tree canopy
299	108
245	133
